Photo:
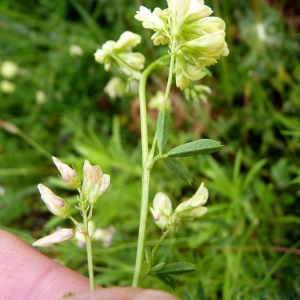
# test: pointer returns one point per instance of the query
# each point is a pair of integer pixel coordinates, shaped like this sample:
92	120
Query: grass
247	246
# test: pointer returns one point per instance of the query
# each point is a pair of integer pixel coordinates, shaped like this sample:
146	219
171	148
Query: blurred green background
247	245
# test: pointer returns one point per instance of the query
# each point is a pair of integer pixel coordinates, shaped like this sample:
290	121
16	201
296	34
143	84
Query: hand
27	274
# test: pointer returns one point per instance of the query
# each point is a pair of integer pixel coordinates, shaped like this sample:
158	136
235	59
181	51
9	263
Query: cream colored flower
150	20
187	210
75	50
120	53
9	69
40	97
95	182
7	86
162	210
115	87
195	38
194	206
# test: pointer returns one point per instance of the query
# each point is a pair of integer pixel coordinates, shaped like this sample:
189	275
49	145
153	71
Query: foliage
246	246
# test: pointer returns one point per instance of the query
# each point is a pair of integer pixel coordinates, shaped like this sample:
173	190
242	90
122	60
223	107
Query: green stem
169	83
89	254
159	242
146	161
34	144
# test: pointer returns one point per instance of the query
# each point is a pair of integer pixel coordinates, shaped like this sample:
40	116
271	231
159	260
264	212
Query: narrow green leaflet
178	169
200	291
162	129
199	147
168	280
177	268
156	268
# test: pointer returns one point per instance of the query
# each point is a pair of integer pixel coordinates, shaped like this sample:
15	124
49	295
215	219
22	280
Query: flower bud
194	206
95	182
61	235
68	175
162	210
9	127
58	206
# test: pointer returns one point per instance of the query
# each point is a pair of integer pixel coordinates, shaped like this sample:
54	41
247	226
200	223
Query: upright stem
169	83
88	245
146	161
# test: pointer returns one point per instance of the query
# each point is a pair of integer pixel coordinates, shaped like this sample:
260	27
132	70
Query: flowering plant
195	40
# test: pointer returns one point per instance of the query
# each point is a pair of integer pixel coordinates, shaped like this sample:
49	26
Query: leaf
162	129
156	268
199	147
177	268
200	291
178	169
148	256
168	280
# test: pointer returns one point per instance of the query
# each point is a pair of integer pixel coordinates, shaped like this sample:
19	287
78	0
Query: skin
27	274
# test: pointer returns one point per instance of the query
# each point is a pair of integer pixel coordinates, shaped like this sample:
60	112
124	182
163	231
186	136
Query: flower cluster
120	53
195	38
94	185
189	209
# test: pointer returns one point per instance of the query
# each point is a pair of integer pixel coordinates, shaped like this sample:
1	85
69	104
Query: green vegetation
247	245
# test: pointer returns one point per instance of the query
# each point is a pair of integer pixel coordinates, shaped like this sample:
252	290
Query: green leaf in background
177	268
162	129
199	147
200	291
178	169
168	280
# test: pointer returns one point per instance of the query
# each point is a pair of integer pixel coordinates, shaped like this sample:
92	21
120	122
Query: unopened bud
9	127
58	236
68	175
58	206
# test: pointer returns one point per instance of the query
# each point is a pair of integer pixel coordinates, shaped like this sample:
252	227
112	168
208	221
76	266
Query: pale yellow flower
7	86
195	38
162	210
194	206
9	69
120	53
